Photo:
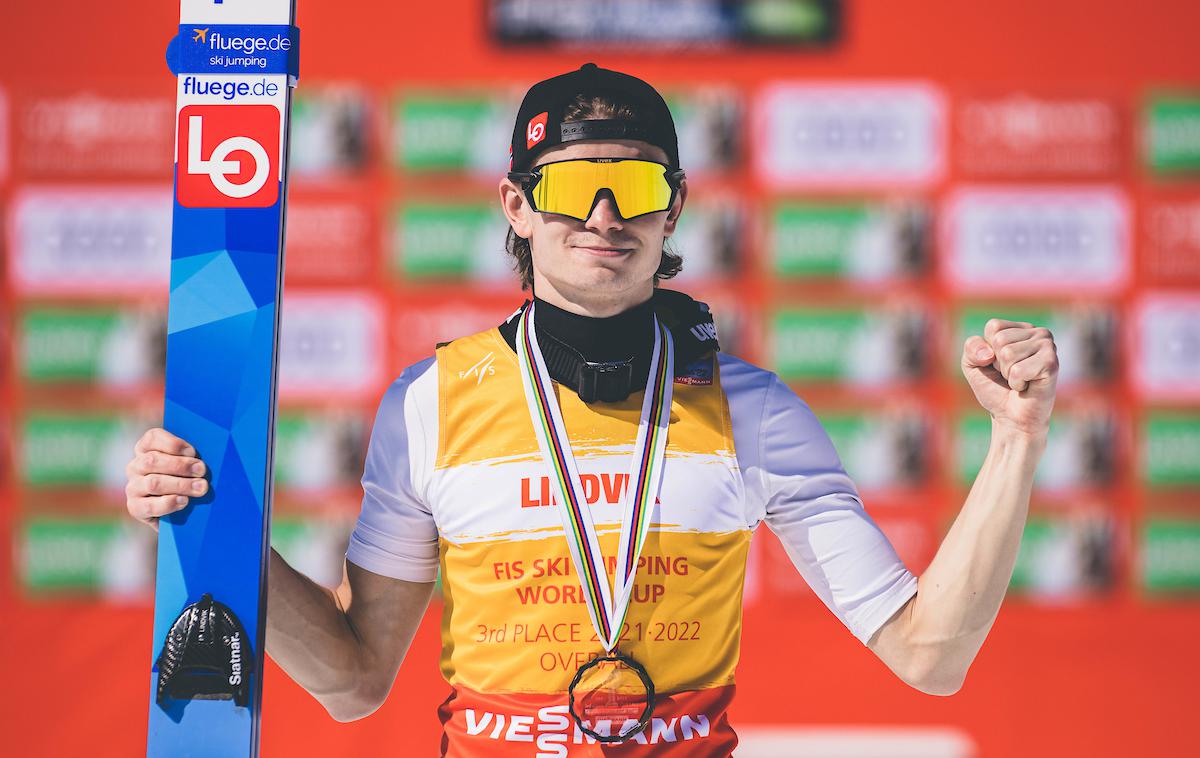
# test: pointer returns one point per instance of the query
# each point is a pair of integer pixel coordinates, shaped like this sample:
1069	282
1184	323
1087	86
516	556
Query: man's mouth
603	250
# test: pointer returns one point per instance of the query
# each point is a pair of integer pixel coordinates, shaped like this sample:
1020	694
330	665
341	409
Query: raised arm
1013	370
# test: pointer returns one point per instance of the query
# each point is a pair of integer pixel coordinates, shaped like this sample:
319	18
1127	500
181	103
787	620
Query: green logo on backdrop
846	432
291	431
1172	136
1171	555
816	344
60	554
433	133
974	437
1039	536
1171	449
59	450
288	536
433	240
64	345
817	240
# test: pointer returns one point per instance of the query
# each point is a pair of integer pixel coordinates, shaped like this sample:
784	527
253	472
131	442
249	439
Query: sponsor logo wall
866	231
868	228
869	183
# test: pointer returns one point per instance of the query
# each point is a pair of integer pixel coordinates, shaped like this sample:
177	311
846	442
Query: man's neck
573	339
594	304
624	336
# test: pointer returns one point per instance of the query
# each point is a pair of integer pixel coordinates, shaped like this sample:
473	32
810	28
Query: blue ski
235	63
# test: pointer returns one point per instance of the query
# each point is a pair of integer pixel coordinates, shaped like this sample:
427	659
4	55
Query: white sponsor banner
330	343
1171	241
1020	134
1036	240
1164	346
849	135
418	325
329	238
99	240
90	134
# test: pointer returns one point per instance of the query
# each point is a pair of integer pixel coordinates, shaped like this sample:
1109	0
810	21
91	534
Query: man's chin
600	280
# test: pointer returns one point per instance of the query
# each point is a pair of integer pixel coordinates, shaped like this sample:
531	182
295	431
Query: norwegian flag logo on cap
535	132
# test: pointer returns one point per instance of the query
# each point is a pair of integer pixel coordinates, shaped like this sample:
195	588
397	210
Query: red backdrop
1110	675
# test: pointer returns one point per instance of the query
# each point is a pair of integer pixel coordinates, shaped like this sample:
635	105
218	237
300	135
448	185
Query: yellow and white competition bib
454	479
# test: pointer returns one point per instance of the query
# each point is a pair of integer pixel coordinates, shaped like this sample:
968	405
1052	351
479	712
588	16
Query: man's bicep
384	614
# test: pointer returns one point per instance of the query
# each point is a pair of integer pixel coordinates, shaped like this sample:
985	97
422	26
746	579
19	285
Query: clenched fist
163	475
1013	370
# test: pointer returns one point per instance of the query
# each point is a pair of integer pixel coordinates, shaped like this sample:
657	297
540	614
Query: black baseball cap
540	124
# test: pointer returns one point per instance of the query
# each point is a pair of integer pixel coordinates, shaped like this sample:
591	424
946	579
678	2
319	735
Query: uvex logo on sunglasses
536	131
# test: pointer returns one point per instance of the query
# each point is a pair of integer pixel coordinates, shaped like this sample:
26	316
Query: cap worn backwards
540	124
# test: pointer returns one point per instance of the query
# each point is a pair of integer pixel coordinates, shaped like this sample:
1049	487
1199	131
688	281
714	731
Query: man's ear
676	209
515	207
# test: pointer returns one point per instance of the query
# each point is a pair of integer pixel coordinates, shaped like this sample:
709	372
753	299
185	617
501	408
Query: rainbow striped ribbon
637	501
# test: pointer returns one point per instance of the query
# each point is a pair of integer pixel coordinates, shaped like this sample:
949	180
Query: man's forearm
959	595
310	636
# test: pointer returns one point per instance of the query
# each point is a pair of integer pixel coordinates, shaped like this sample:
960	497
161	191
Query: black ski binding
206	656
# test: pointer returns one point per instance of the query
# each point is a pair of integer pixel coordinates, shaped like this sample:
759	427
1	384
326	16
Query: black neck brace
607	359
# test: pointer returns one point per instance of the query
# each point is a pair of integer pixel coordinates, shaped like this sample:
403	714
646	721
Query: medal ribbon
637	500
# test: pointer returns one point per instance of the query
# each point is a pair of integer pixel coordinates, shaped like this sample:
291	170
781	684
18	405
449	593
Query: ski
235	63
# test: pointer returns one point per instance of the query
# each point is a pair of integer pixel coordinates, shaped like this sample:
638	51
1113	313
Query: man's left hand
1013	370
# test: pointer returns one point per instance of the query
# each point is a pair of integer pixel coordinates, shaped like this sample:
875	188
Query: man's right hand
345	645
163	475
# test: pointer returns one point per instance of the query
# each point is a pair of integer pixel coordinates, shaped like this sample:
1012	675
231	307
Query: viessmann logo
228	156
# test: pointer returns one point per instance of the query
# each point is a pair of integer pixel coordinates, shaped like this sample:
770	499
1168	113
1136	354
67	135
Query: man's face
605	257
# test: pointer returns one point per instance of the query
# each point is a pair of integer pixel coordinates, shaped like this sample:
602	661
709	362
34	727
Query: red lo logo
536	131
228	156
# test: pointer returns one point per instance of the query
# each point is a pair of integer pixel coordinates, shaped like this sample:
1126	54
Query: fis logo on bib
484	367
228	156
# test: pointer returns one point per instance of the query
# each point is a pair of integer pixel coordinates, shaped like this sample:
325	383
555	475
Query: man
587	477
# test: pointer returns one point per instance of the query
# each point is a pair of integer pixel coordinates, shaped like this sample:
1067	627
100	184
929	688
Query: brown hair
587	107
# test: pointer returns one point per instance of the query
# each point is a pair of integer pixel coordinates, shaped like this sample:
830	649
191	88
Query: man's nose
605	215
